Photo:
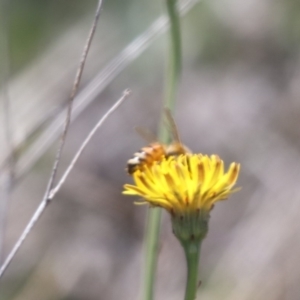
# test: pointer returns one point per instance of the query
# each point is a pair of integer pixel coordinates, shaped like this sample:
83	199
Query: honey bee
155	151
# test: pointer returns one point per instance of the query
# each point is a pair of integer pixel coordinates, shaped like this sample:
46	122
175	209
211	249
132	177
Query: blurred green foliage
33	24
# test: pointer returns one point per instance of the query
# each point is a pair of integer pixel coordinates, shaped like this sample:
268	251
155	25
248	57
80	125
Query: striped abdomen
145	157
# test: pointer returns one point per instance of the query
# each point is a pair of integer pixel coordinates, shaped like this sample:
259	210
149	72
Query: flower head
186	183
186	186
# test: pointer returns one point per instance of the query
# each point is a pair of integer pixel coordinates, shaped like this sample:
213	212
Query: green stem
154	214
152	233
192	253
174	63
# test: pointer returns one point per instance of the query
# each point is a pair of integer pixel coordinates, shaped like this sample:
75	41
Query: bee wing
171	125
147	135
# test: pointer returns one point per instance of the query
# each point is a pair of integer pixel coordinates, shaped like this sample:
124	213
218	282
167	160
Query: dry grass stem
49	195
45	200
72	96
54	191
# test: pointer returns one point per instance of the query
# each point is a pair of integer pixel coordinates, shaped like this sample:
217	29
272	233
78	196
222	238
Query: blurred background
239	98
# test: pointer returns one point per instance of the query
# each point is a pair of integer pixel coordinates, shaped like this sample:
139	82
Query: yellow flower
187	186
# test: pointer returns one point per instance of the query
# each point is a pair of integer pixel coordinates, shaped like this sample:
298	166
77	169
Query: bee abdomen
145	157
133	165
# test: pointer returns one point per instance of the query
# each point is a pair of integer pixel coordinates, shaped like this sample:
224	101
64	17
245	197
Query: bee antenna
172	125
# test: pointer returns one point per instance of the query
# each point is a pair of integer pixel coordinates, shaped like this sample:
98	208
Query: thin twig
87	95
41	208
54	191
72	96
46	199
